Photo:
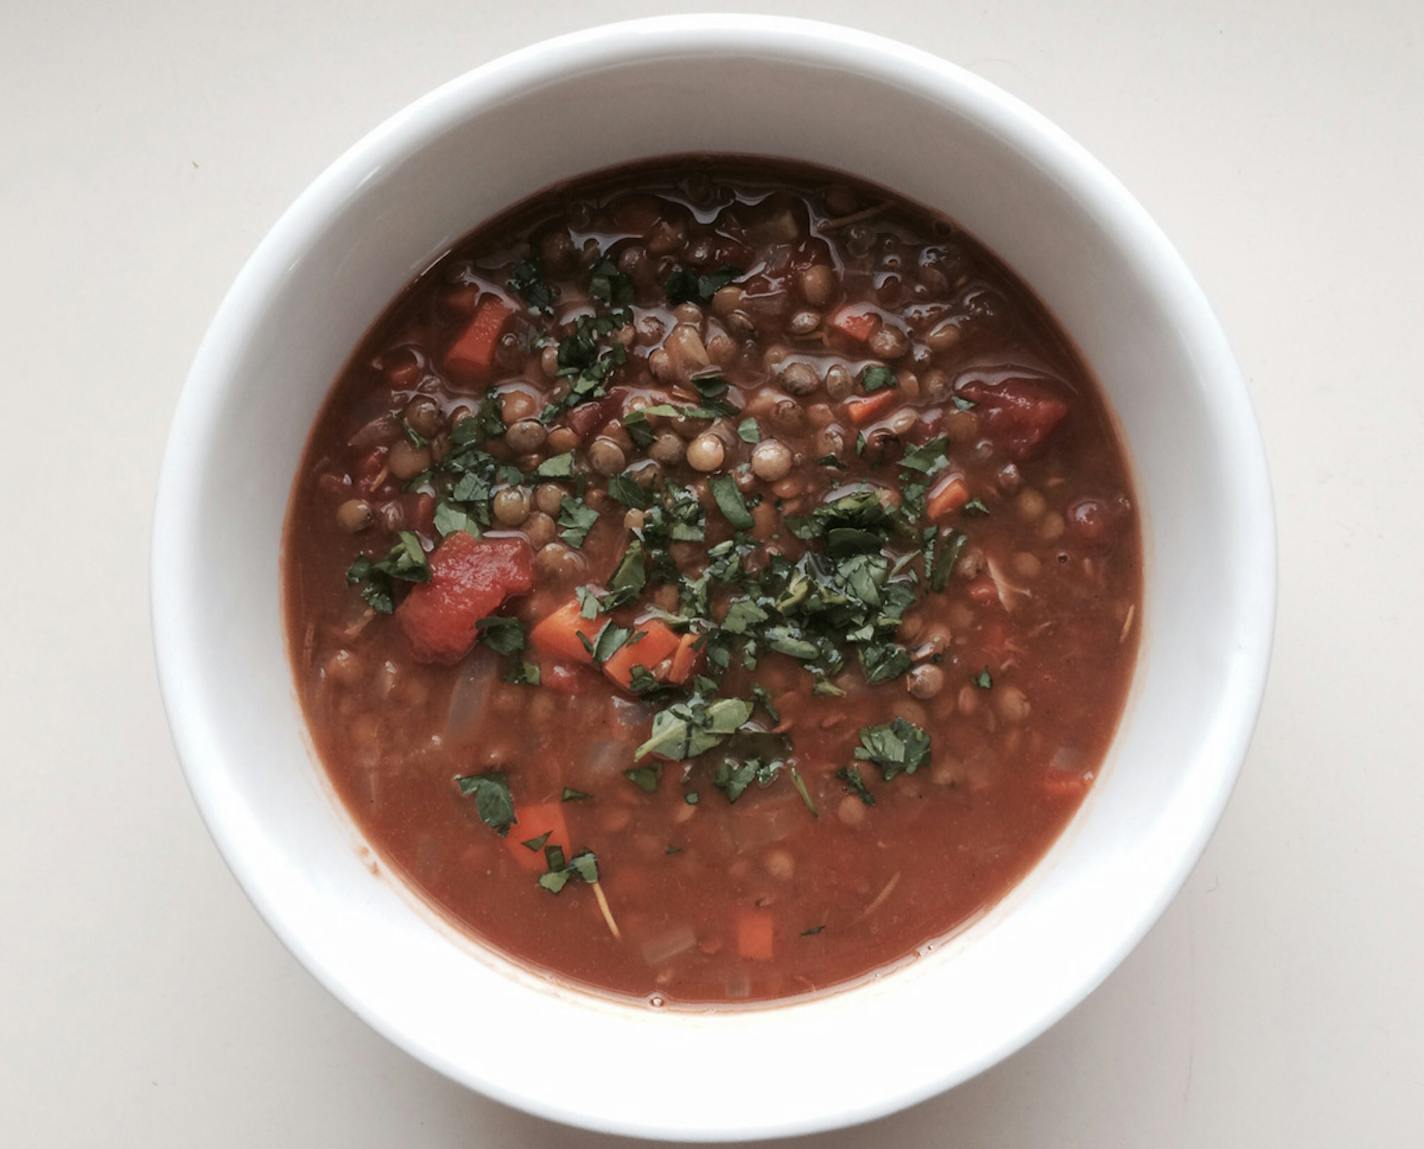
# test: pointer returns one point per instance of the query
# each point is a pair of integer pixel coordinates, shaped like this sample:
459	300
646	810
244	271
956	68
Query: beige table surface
148	146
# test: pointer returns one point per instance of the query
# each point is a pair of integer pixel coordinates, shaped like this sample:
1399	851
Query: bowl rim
1233	423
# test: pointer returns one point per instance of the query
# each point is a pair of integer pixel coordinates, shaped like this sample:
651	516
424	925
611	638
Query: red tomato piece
1017	415
587	418
469	579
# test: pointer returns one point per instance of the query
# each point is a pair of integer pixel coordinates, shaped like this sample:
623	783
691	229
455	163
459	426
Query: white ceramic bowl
401	197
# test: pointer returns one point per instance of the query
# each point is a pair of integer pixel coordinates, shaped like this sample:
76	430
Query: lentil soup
713	581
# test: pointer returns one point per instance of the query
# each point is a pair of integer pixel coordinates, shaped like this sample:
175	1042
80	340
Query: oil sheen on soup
713	581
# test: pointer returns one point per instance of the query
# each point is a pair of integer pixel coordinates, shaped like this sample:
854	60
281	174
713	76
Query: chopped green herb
983	680
811	931
975	507
493	802
800	784
524	674
928	458
684	286
691	798
730	502
748	431
625	490
583	865
687	729
733	776
556	467
576	518
611	639
646	778
876	378
899	747
450	518
536	844
502	634
850	775
526	279
404	562
610	286
572	795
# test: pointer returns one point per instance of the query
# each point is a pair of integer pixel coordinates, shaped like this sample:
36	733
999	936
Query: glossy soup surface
713	581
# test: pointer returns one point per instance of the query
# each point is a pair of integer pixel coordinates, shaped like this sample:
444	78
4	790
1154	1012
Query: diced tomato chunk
469	579
533	822
855	324
587	418
558	633
657	645
471	356
1017	415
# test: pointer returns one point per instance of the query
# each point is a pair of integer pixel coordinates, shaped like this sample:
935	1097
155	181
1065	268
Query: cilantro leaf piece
800	784
733	776
881	662
631	574
975	507
983	680
625	490
687	729
646	778
536	844
611	639
449	518
556	467
748	431
610	286
493	802
730	502
583	866
526	279
576	518
850	775
898	747
876	378
928	458
502	634
684	286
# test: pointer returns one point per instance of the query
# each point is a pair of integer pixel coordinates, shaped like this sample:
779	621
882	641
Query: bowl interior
807	92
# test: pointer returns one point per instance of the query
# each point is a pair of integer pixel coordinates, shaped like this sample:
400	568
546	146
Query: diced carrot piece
534	822
871	407
469	579
558	633
472	354
657	645
950	493
1066	783
857	325
755	935
684	660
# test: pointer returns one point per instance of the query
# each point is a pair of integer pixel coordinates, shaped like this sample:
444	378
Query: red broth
713	580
